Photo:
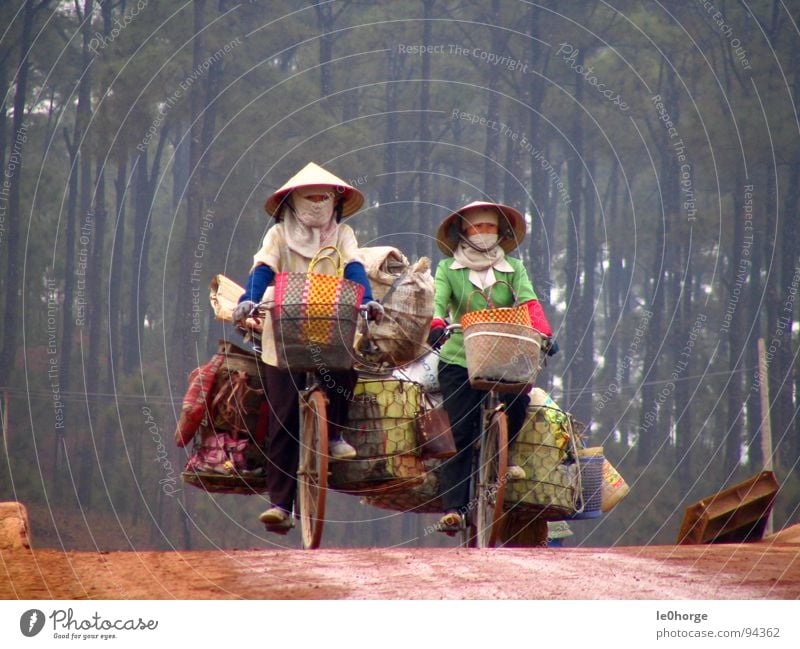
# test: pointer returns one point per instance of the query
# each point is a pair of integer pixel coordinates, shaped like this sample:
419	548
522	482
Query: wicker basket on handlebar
314	318
503	350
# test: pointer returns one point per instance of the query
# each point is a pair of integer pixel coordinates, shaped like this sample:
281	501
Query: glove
553	348
436	337
243	311
374	311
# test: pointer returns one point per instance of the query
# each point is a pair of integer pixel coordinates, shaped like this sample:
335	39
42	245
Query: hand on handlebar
374	310
550	347
437	336
243	310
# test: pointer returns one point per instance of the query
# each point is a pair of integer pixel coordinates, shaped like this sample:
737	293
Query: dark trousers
283	432
463	406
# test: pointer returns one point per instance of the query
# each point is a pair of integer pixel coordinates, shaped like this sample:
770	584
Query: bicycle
314	457
489	475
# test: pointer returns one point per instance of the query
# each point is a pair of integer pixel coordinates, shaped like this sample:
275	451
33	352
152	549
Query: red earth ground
764	570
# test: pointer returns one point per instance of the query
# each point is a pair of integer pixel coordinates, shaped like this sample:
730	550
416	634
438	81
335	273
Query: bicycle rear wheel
312	474
492	469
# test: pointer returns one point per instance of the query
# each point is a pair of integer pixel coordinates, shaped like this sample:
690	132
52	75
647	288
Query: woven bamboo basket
315	315
503	349
545	449
382	427
423	498
502	356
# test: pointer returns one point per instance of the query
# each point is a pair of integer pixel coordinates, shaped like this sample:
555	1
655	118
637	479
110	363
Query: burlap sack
384	264
406	292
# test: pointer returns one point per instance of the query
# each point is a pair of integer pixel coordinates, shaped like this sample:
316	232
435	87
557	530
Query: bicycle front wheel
312	474
492	469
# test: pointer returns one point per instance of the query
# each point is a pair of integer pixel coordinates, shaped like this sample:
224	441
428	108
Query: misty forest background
654	146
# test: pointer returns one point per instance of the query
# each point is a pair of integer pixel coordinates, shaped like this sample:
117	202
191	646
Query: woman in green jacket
476	239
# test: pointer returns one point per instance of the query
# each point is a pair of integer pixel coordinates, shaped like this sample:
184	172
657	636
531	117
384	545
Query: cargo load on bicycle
224	416
391	426
406	292
393	419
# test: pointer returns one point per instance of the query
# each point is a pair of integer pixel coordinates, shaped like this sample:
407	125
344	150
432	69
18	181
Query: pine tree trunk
786	305
423	222
735	310
654	418
574	325
772	304
182	324
116	344
754	312
388	189
12	310
542	217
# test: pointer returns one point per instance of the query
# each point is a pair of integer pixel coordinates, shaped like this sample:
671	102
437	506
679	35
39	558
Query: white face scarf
481	252
310	225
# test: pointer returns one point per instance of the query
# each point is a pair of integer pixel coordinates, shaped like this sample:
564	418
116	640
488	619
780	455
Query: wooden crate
735	515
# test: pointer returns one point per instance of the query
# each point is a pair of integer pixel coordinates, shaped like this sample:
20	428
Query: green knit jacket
453	291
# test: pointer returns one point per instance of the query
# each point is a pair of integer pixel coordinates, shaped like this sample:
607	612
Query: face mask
313	214
484	241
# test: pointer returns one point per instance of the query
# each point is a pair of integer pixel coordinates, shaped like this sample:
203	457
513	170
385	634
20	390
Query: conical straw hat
511	235
313	174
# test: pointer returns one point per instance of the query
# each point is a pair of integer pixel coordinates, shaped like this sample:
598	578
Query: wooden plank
735	515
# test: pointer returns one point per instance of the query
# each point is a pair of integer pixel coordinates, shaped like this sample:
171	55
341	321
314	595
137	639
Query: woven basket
298	351
517	314
502	357
223	465
423	498
376	476
382	417
382	428
228	455
545	449
314	317
503	349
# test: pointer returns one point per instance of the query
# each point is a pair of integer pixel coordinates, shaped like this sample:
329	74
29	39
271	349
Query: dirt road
752	571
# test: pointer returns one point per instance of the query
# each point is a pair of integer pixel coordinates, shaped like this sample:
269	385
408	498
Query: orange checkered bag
517	314
313	310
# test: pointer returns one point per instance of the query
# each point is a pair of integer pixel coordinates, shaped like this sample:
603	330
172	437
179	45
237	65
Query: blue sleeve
355	272
257	283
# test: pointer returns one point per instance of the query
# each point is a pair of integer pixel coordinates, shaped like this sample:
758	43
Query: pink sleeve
538	318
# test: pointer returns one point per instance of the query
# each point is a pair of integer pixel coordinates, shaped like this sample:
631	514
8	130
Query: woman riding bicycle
476	240
308	211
